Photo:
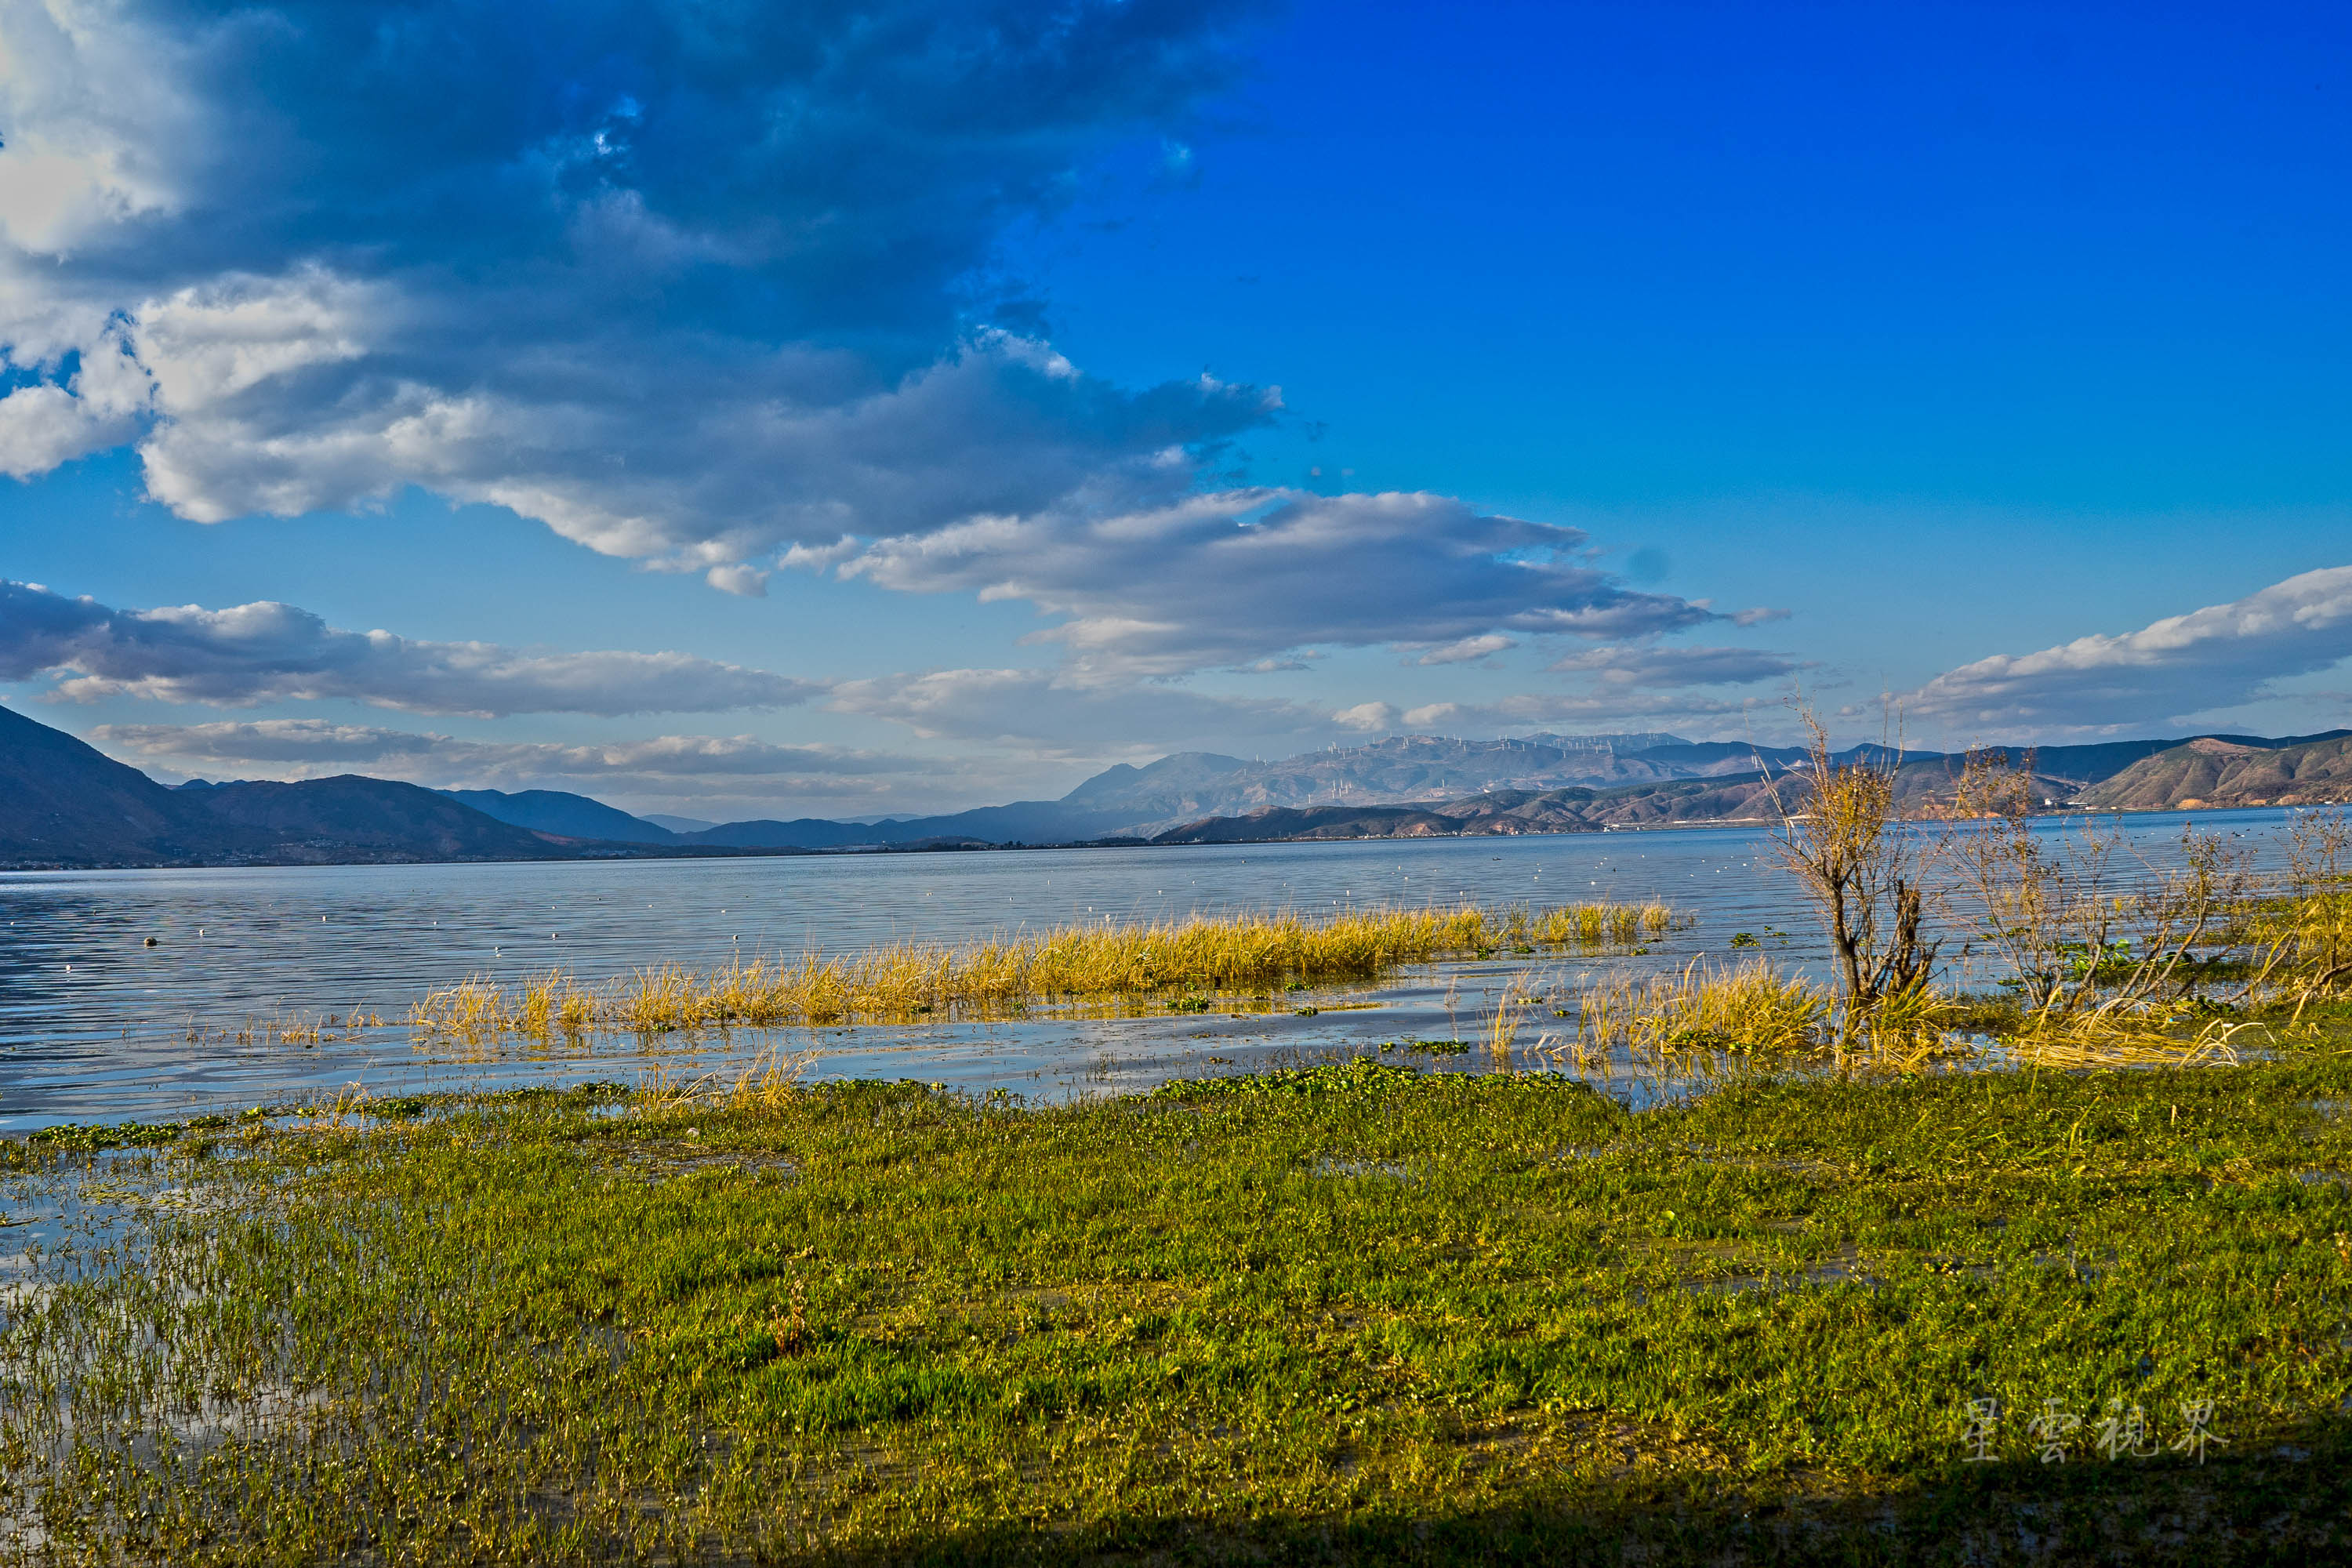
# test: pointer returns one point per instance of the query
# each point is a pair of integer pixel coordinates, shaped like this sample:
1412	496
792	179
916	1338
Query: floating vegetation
1198	960
1434	1048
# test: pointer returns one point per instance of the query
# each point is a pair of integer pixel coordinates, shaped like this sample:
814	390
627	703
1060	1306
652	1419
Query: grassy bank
1355	1314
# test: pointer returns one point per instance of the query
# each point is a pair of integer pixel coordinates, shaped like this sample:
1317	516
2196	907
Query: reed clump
1595	925
1753	1006
910	981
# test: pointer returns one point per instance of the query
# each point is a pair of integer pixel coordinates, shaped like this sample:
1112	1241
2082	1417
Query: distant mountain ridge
1400	769
1190	787
559	812
2225	771
2203	771
64	803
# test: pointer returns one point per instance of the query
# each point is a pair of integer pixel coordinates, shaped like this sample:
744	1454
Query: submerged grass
1349	1314
914	979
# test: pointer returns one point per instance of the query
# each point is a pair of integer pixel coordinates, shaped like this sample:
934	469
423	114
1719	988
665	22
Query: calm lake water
95	1025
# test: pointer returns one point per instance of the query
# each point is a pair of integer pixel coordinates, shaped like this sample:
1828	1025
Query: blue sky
890	407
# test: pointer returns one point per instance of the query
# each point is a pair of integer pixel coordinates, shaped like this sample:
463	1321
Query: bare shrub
1861	872
2085	927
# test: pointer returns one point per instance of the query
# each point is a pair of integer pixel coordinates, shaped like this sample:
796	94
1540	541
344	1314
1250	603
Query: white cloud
2167	672
737	771
1650	666
267	651
743	581
1608	711
690	286
99	405
705	289
1368	718
1221	579
96	120
1054	712
1467	649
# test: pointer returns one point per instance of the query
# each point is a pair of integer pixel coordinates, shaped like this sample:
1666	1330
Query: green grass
1357	1313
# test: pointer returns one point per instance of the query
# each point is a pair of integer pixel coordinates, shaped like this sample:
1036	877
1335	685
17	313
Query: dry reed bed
914	979
1749	1007
1759	1008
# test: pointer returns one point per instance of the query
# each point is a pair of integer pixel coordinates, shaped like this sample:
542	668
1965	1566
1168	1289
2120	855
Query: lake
96	1025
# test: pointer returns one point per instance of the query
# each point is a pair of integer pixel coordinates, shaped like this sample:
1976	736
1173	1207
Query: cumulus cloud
2210	658
706	288
1658	667
96	406
1224	578
688	285
268	651
1053	712
1368	718
668	767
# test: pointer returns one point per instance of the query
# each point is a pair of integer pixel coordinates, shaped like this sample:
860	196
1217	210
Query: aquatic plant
1198	959
1751	1006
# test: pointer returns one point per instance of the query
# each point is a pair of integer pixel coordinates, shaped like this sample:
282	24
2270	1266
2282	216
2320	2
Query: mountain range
62	803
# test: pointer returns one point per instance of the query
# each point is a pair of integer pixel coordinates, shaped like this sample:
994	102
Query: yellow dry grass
1593	924
1751	1006
909	980
1758	1009
2114	1040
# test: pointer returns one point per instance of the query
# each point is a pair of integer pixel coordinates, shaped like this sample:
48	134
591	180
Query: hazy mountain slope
1334	787
801	833
1173	784
353	818
2207	771
1285	822
1021	822
64	803
1399	770
559	811
1576	809
2211	771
